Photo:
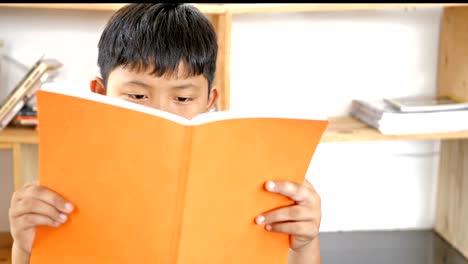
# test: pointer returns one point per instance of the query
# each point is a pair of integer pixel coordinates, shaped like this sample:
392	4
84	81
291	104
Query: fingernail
56	224
68	207
268	227
270	186
63	218
260	219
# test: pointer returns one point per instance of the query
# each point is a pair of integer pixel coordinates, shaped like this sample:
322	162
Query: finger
309	185
32	220
30	205
294	191
288	213
19	194
306	229
50	197
315	197
30	184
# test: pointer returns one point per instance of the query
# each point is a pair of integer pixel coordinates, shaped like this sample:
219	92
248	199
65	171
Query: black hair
161	36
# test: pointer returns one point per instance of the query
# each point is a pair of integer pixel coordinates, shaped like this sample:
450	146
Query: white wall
313	62
318	63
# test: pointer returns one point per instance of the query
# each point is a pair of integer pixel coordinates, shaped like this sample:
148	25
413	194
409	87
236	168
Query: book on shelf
150	186
25	121
26	117
28	110
426	103
388	120
38	74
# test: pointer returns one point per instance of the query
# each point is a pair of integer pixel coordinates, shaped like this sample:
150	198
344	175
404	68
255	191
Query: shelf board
18	135
240	8
205	8
341	129
270	8
97	7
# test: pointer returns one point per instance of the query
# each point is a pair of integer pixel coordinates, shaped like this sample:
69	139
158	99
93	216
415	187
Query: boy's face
180	95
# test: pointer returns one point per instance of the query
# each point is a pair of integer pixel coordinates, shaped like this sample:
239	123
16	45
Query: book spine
368	121
182	182
367	109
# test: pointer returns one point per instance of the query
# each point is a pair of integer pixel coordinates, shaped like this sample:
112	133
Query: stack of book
412	115
16	108
27	116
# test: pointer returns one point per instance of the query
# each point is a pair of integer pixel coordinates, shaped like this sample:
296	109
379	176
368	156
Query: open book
152	187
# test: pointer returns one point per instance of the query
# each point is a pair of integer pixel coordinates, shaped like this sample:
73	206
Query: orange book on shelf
152	187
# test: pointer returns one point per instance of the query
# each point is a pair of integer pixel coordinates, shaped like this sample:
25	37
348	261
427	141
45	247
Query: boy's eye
183	99
137	96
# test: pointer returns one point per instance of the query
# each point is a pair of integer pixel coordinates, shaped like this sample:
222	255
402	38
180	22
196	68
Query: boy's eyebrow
183	86
139	83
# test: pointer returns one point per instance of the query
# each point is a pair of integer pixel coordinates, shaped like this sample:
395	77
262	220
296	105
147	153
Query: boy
164	56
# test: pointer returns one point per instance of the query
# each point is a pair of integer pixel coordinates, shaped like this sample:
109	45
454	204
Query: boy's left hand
300	220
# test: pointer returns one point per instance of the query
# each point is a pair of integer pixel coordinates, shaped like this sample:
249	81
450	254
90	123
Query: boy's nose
160	104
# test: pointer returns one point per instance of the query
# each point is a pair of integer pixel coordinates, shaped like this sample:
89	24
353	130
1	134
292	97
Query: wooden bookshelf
341	129
242	8
221	16
205	8
18	135
452	189
97	7
276	8
5	248
349	129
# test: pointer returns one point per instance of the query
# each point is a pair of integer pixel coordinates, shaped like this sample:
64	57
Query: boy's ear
212	98
97	86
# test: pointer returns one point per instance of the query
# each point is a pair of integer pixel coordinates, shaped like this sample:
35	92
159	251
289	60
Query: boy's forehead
181	72
124	74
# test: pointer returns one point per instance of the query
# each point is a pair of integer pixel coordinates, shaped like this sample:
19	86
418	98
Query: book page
230	162
88	95
197	120
249	114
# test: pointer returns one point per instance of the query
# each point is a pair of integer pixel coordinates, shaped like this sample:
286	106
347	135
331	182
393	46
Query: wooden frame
223	26
452	194
25	164
6	145
241	8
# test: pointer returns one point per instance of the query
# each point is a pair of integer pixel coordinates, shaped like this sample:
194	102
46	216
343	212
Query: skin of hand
31	206
300	220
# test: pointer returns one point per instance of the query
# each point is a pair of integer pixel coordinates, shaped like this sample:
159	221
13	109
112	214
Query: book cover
152	187
426	103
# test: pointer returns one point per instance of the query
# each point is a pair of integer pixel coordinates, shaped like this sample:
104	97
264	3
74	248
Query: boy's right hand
32	206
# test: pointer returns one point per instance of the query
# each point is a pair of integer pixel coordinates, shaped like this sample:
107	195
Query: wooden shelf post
25	163
223	25
452	194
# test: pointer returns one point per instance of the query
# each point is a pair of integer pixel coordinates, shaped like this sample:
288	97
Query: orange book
152	187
